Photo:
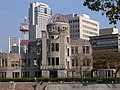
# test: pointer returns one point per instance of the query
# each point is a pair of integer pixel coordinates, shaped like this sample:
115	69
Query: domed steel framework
58	18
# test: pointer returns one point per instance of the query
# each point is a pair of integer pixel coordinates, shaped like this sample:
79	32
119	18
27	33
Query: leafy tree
106	59
111	8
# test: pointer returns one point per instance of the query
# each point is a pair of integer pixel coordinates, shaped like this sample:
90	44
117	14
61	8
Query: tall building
39	13
82	26
14	45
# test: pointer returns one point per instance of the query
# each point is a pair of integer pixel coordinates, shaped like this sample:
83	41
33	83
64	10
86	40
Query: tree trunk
115	78
81	73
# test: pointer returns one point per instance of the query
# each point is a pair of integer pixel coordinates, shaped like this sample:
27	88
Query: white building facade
39	13
14	45
82	26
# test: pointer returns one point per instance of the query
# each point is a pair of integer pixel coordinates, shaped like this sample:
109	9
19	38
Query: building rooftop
58	18
79	42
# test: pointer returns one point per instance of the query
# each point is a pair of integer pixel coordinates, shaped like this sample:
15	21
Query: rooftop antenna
24	28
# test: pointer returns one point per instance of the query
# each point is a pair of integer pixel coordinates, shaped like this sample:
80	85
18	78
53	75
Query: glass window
45	10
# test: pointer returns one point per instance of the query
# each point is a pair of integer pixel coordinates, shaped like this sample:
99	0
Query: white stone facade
82	26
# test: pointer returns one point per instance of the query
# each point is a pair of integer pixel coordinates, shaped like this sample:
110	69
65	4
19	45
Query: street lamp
35	83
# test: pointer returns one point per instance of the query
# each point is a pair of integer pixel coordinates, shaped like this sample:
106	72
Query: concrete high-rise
39	14
82	26
14	45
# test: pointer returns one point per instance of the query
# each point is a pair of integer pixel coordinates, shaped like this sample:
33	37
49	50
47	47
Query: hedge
89	80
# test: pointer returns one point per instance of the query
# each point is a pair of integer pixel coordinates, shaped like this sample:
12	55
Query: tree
82	60
110	8
106	59
79	63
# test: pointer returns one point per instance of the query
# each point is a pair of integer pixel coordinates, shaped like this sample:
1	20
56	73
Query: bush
90	79
107	80
44	79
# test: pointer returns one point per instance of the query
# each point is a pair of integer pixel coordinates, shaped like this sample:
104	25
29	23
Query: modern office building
39	13
14	45
106	42
105	31
82	26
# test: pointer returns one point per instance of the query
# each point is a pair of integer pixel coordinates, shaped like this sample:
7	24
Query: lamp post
35	83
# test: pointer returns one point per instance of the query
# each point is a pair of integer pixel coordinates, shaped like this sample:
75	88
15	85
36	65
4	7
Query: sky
12	13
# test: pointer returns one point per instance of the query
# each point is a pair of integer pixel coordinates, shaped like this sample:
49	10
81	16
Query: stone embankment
56	86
